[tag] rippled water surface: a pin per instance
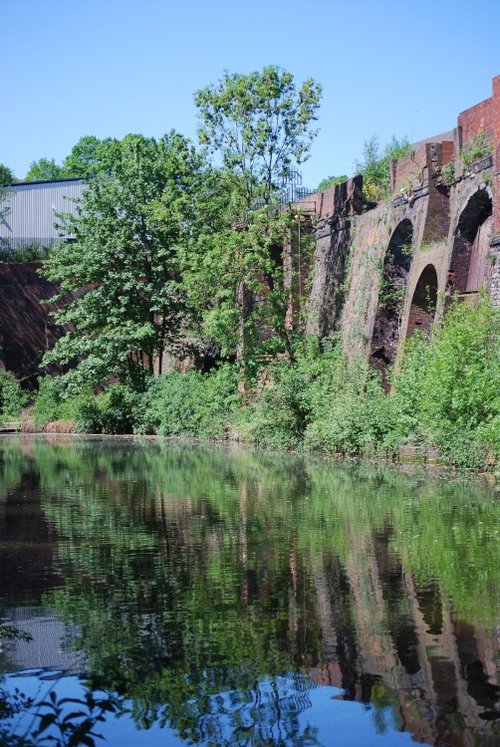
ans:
(216, 597)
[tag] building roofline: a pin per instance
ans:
(22, 183)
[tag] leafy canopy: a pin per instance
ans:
(331, 181)
(260, 124)
(6, 175)
(125, 253)
(44, 170)
(91, 156)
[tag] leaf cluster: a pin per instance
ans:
(88, 157)
(259, 124)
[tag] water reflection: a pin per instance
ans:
(224, 594)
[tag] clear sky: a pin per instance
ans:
(110, 67)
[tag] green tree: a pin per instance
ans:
(260, 124)
(460, 404)
(44, 169)
(260, 127)
(128, 231)
(90, 156)
(6, 175)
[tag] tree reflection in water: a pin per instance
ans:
(212, 590)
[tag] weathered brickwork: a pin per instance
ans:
(453, 206)
(26, 327)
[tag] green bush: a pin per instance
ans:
(319, 402)
(115, 412)
(350, 412)
(12, 397)
(52, 402)
(278, 414)
(460, 402)
(444, 394)
(191, 404)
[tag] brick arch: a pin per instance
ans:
(423, 303)
(386, 328)
(469, 267)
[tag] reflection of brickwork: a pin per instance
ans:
(446, 691)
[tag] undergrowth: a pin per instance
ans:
(444, 394)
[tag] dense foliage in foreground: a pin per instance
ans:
(445, 394)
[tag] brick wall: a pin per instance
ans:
(474, 120)
(26, 329)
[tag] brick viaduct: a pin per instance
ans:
(380, 271)
(377, 272)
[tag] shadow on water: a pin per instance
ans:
(242, 598)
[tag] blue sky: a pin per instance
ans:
(109, 67)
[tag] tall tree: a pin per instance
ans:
(260, 127)
(127, 237)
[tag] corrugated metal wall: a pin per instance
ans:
(30, 210)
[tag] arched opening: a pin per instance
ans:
(469, 266)
(423, 304)
(397, 262)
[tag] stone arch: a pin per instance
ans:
(469, 266)
(386, 328)
(423, 303)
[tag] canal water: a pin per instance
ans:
(177, 594)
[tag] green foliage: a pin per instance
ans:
(235, 279)
(476, 149)
(69, 722)
(53, 402)
(376, 164)
(279, 412)
(12, 398)
(114, 412)
(91, 156)
(331, 181)
(319, 402)
(260, 124)
(43, 170)
(191, 404)
(33, 251)
(10, 633)
(128, 231)
(349, 413)
(6, 175)
(460, 406)
(448, 172)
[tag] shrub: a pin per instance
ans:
(460, 404)
(191, 404)
(12, 397)
(349, 409)
(279, 412)
(52, 402)
(115, 412)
